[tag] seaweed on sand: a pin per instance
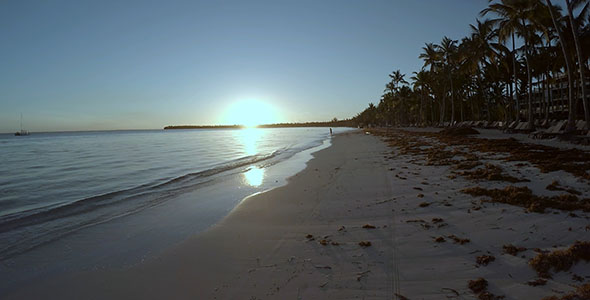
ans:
(546, 158)
(523, 197)
(438, 156)
(512, 250)
(365, 244)
(478, 285)
(458, 240)
(480, 288)
(582, 292)
(560, 260)
(439, 239)
(437, 220)
(467, 164)
(490, 172)
(484, 260)
(415, 221)
(555, 186)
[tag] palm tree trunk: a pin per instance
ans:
(510, 99)
(442, 110)
(475, 110)
(530, 118)
(548, 96)
(580, 63)
(484, 97)
(461, 107)
(571, 110)
(551, 103)
(452, 100)
(514, 77)
(543, 99)
(431, 111)
(421, 104)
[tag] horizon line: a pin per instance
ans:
(220, 126)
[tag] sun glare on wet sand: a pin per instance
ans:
(251, 113)
(254, 176)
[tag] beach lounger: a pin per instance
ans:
(544, 123)
(523, 127)
(510, 127)
(551, 131)
(540, 133)
(513, 125)
(581, 126)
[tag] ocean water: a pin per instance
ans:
(57, 189)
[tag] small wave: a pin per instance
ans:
(45, 214)
(23, 231)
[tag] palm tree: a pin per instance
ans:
(521, 15)
(390, 87)
(419, 79)
(571, 5)
(482, 53)
(571, 112)
(433, 57)
(508, 23)
(397, 77)
(448, 49)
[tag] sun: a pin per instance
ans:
(251, 113)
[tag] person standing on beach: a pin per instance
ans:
(330, 131)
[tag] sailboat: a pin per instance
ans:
(22, 132)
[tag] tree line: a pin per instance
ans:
(513, 58)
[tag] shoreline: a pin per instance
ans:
(130, 239)
(310, 238)
(223, 251)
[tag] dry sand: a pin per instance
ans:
(301, 241)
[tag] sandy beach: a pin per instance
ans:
(369, 218)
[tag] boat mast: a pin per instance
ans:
(21, 122)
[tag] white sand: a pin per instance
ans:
(260, 251)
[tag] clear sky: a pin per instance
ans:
(91, 65)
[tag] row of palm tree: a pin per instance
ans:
(490, 73)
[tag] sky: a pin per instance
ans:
(104, 65)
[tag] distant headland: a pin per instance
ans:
(333, 123)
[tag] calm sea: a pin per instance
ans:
(55, 184)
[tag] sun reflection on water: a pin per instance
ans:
(254, 176)
(249, 138)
